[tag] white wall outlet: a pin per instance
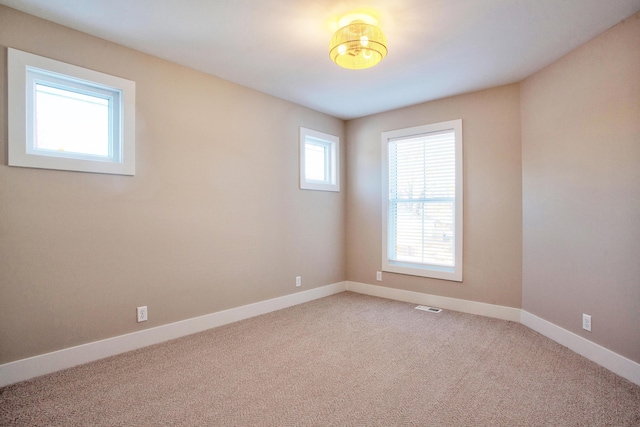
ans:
(379, 276)
(142, 314)
(586, 322)
(298, 281)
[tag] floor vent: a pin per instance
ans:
(429, 309)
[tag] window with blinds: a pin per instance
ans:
(422, 201)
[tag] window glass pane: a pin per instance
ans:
(315, 162)
(424, 232)
(72, 122)
(319, 161)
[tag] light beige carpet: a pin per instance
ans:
(346, 360)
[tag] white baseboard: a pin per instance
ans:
(465, 306)
(25, 369)
(614, 362)
(31, 367)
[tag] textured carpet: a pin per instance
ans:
(348, 360)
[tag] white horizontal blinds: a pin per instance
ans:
(422, 191)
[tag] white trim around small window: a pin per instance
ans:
(66, 117)
(319, 161)
(422, 201)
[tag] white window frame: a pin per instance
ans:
(25, 70)
(416, 269)
(331, 164)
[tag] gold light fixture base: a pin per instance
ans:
(358, 45)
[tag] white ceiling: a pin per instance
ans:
(437, 48)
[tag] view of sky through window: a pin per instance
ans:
(316, 158)
(70, 121)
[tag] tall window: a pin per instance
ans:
(422, 201)
(319, 161)
(66, 117)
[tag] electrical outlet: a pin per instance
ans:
(298, 281)
(142, 314)
(379, 276)
(586, 322)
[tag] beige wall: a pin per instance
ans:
(492, 195)
(213, 218)
(581, 189)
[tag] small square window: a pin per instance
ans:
(319, 165)
(69, 118)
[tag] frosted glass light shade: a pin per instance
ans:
(357, 46)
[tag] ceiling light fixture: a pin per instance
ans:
(358, 45)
